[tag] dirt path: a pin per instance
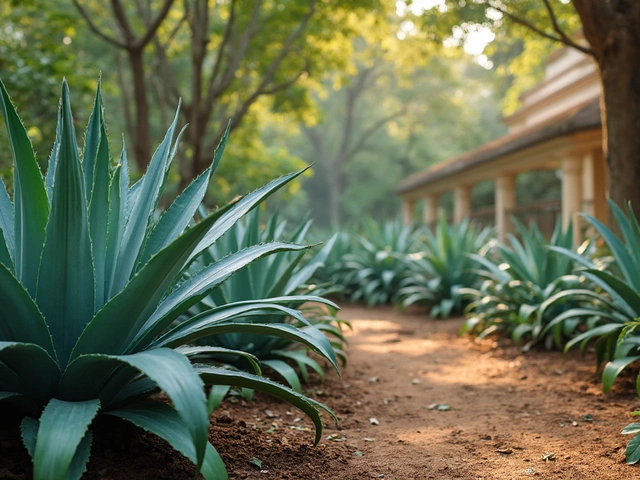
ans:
(508, 410)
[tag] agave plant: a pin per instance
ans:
(613, 306)
(436, 274)
(281, 278)
(372, 272)
(89, 286)
(518, 279)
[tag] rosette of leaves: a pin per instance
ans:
(436, 274)
(612, 306)
(89, 288)
(373, 271)
(519, 278)
(280, 279)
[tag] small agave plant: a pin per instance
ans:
(90, 289)
(281, 278)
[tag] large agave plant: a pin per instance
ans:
(519, 278)
(435, 275)
(612, 307)
(281, 278)
(88, 291)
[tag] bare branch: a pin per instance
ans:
(563, 36)
(525, 23)
(94, 28)
(223, 44)
(216, 89)
(284, 85)
(364, 138)
(155, 24)
(123, 21)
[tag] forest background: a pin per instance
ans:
(368, 91)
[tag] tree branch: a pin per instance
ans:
(373, 129)
(123, 21)
(525, 23)
(94, 28)
(155, 24)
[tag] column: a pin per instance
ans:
(505, 201)
(462, 203)
(572, 195)
(588, 184)
(430, 209)
(408, 207)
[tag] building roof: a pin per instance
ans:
(580, 118)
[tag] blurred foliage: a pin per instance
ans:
(515, 51)
(37, 50)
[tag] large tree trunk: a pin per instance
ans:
(142, 140)
(620, 71)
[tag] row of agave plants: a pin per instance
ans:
(105, 300)
(532, 289)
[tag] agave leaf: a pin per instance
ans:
(208, 351)
(244, 205)
(221, 376)
(34, 366)
(30, 198)
(92, 140)
(176, 218)
(632, 453)
(600, 331)
(198, 285)
(118, 197)
(29, 432)
(99, 215)
(613, 369)
(624, 296)
(113, 327)
(631, 428)
(306, 272)
(170, 370)
(20, 319)
(164, 421)
(62, 428)
(8, 395)
(142, 206)
(53, 157)
(303, 361)
(7, 225)
(66, 283)
(286, 371)
(216, 395)
(312, 338)
(80, 458)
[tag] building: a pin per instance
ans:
(557, 127)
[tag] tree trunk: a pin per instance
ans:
(334, 191)
(142, 140)
(621, 118)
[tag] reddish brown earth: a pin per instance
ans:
(512, 415)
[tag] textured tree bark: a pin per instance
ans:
(620, 71)
(613, 31)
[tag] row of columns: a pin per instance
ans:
(582, 186)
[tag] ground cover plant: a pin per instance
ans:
(283, 279)
(436, 274)
(518, 278)
(90, 288)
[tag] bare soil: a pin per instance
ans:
(510, 415)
